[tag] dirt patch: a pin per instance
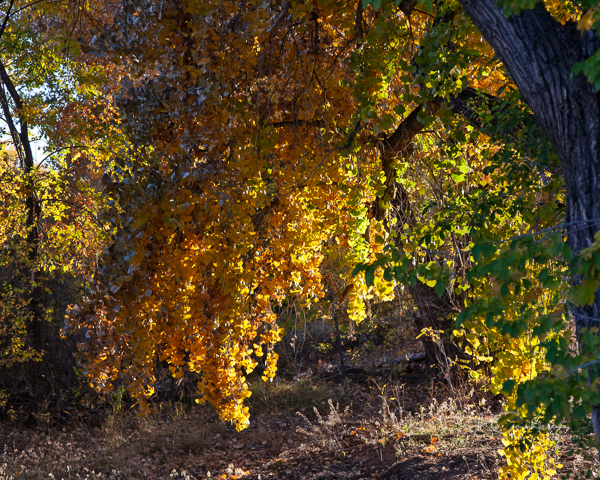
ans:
(300, 430)
(377, 428)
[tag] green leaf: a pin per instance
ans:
(387, 275)
(567, 252)
(508, 386)
(458, 177)
(440, 288)
(359, 268)
(543, 275)
(370, 275)
(476, 252)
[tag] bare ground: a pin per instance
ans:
(386, 424)
(370, 431)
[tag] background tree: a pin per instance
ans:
(50, 202)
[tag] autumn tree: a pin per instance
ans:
(257, 163)
(265, 136)
(49, 212)
(221, 220)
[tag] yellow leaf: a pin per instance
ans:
(587, 20)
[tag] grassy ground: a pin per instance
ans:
(300, 429)
(391, 421)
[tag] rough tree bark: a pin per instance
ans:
(539, 54)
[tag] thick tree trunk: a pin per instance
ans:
(539, 54)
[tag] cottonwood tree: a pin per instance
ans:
(266, 137)
(261, 163)
(540, 53)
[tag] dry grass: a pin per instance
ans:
(450, 424)
(282, 396)
(300, 429)
(175, 441)
(188, 442)
(125, 446)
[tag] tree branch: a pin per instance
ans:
(6, 17)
